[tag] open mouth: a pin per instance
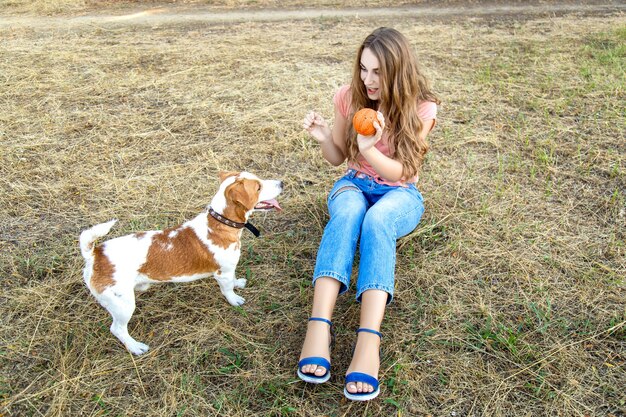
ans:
(268, 205)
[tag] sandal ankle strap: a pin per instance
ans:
(363, 329)
(330, 323)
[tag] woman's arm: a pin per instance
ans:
(332, 141)
(387, 168)
(339, 134)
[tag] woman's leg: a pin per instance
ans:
(367, 351)
(347, 207)
(394, 215)
(333, 267)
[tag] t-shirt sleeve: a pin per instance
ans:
(341, 100)
(427, 110)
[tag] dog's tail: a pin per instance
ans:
(89, 236)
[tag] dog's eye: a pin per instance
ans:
(258, 188)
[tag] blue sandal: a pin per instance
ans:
(317, 360)
(361, 377)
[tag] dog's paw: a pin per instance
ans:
(142, 287)
(240, 283)
(235, 299)
(137, 348)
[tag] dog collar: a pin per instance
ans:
(231, 223)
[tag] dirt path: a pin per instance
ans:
(185, 15)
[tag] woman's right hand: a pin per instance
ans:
(317, 127)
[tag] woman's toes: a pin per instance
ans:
(359, 387)
(313, 369)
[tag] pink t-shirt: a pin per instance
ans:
(426, 110)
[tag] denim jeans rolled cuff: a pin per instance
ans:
(329, 274)
(380, 287)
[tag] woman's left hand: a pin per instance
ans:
(367, 142)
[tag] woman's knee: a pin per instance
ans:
(391, 220)
(376, 220)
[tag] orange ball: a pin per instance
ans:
(363, 121)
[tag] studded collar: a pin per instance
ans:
(237, 225)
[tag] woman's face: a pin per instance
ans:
(369, 74)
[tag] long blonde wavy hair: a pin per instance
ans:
(402, 87)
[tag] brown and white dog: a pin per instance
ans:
(207, 245)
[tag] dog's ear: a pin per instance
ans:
(225, 174)
(244, 193)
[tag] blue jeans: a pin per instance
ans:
(378, 214)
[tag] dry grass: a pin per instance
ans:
(510, 294)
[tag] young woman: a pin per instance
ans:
(374, 203)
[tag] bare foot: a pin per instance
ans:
(316, 343)
(366, 359)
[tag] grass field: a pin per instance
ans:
(510, 295)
